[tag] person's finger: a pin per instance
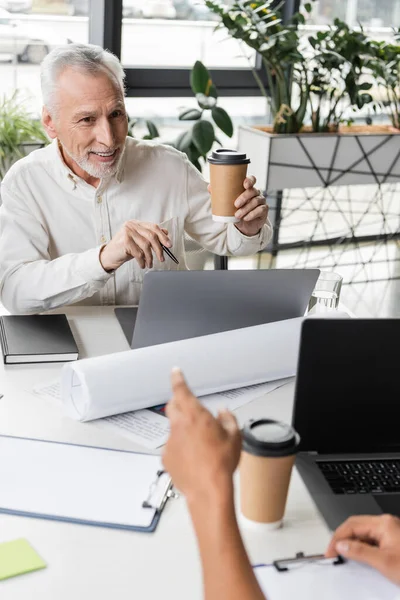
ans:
(153, 239)
(182, 394)
(178, 380)
(248, 207)
(358, 527)
(132, 249)
(133, 233)
(258, 213)
(247, 195)
(172, 409)
(144, 245)
(228, 422)
(249, 182)
(364, 553)
(160, 232)
(209, 188)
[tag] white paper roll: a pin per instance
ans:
(125, 381)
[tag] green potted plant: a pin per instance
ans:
(259, 25)
(319, 79)
(198, 139)
(20, 133)
(340, 77)
(385, 65)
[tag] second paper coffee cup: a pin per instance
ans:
(268, 453)
(228, 170)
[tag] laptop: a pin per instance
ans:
(347, 412)
(177, 305)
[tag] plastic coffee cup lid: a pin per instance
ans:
(224, 156)
(266, 437)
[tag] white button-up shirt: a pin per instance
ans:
(53, 225)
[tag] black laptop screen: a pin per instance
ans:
(348, 386)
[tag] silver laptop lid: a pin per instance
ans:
(177, 305)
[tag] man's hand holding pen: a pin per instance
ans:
(138, 240)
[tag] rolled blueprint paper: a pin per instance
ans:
(116, 383)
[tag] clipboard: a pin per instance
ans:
(286, 564)
(315, 577)
(87, 485)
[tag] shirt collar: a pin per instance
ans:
(67, 175)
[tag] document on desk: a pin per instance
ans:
(150, 427)
(81, 484)
(145, 427)
(136, 379)
(327, 582)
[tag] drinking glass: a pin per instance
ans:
(326, 293)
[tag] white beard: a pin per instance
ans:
(98, 171)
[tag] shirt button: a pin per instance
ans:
(103, 239)
(99, 199)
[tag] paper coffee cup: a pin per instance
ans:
(228, 170)
(268, 454)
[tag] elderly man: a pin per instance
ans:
(82, 218)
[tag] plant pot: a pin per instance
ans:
(354, 155)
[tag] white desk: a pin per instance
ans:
(92, 563)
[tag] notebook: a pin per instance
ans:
(37, 338)
(317, 581)
(82, 484)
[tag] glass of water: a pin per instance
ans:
(326, 293)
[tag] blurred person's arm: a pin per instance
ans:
(201, 456)
(373, 540)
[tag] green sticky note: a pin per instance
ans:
(18, 557)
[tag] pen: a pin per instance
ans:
(167, 251)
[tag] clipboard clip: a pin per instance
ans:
(159, 492)
(300, 560)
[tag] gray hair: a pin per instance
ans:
(83, 57)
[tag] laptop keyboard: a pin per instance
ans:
(362, 477)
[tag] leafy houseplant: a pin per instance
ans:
(152, 131)
(19, 132)
(320, 76)
(385, 66)
(198, 140)
(340, 65)
(317, 80)
(200, 137)
(260, 27)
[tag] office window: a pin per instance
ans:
(164, 112)
(176, 33)
(29, 29)
(162, 39)
(368, 13)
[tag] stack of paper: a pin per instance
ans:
(150, 427)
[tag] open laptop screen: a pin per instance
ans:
(348, 386)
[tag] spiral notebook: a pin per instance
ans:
(82, 484)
